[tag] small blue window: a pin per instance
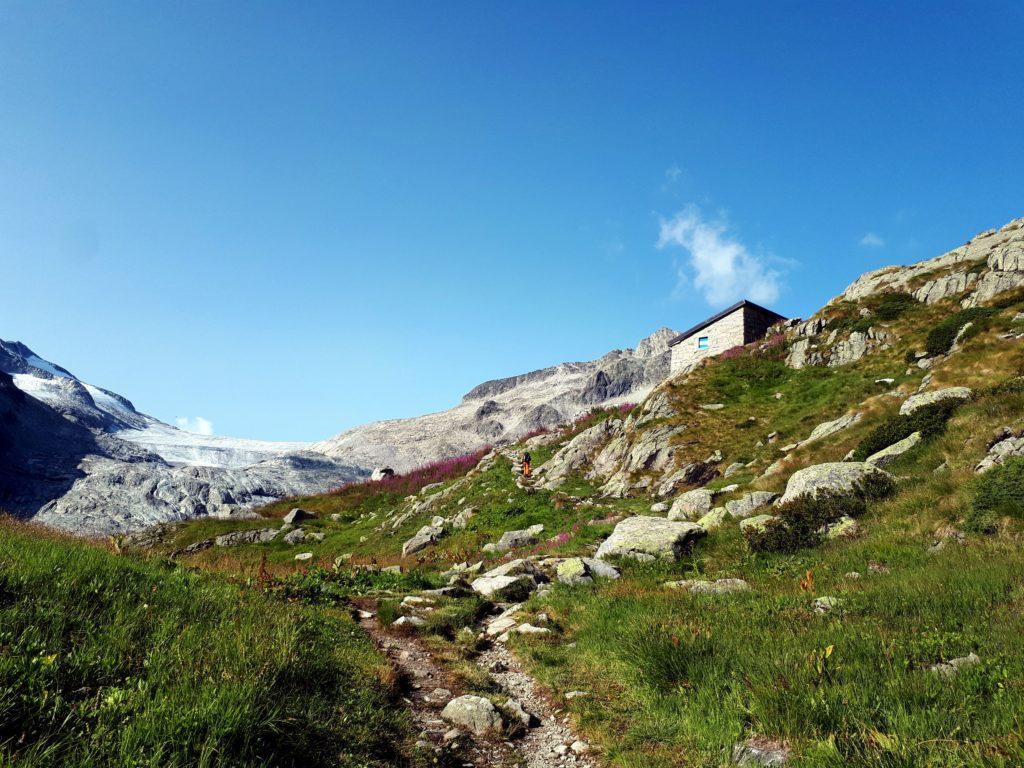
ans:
(702, 342)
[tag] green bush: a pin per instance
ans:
(801, 520)
(929, 421)
(940, 338)
(1000, 491)
(891, 306)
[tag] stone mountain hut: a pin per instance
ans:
(734, 326)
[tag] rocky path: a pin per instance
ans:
(549, 742)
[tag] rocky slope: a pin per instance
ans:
(124, 470)
(503, 410)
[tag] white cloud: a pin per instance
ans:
(672, 173)
(871, 240)
(199, 425)
(722, 268)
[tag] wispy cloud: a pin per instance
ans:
(719, 265)
(672, 173)
(871, 240)
(198, 425)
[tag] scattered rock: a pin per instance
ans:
(659, 507)
(747, 504)
(733, 468)
(515, 539)
(691, 505)
(825, 604)
(713, 519)
(427, 535)
(718, 587)
(258, 536)
(583, 570)
(409, 621)
(302, 556)
(952, 667)
(474, 713)
(511, 581)
(760, 753)
(297, 515)
(756, 524)
(530, 629)
(294, 537)
(843, 528)
(650, 538)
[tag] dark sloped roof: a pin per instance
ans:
(724, 313)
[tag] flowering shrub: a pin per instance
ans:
(435, 472)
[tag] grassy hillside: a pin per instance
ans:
(677, 679)
(106, 660)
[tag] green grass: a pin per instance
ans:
(109, 661)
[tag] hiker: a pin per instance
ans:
(526, 464)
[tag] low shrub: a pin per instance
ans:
(321, 586)
(800, 521)
(929, 421)
(942, 335)
(891, 306)
(1000, 491)
(454, 615)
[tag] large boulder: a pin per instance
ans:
(510, 581)
(914, 402)
(475, 713)
(692, 504)
(515, 539)
(887, 456)
(650, 538)
(426, 536)
(839, 477)
(297, 516)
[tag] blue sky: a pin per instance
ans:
(291, 218)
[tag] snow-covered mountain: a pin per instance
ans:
(100, 408)
(82, 458)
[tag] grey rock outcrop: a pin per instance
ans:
(511, 408)
(427, 535)
(887, 456)
(834, 477)
(914, 402)
(650, 538)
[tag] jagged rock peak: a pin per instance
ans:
(656, 343)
